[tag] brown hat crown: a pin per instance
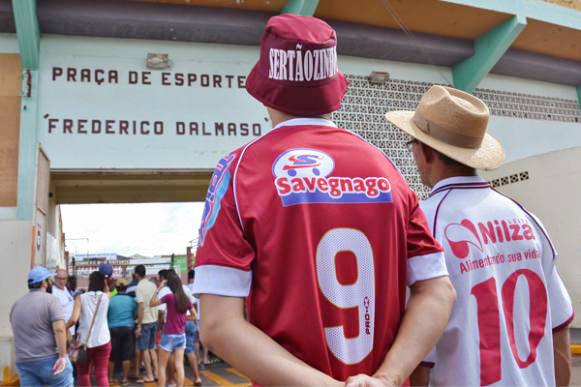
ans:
(452, 116)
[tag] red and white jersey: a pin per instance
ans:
(510, 297)
(321, 233)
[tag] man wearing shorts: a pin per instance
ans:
(508, 326)
(319, 232)
(146, 326)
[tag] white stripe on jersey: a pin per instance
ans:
(423, 267)
(222, 280)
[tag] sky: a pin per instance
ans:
(148, 229)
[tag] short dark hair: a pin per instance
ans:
(140, 270)
(191, 274)
(121, 287)
(447, 160)
(96, 281)
(35, 285)
(162, 273)
(450, 162)
(72, 282)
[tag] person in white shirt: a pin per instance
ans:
(64, 296)
(90, 311)
(508, 326)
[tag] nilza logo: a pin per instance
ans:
(466, 235)
(302, 176)
(218, 188)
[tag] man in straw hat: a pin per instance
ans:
(319, 232)
(512, 307)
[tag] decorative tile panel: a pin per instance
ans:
(364, 107)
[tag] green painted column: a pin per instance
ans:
(579, 95)
(488, 49)
(28, 34)
(28, 148)
(301, 7)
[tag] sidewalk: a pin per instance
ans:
(216, 374)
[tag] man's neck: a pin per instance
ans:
(445, 172)
(276, 116)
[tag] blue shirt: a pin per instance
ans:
(121, 311)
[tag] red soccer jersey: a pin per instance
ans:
(321, 233)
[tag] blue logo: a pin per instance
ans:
(218, 187)
(303, 176)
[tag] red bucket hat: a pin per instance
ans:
(297, 70)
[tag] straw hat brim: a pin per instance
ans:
(488, 156)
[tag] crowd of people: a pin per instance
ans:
(140, 330)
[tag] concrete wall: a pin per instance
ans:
(552, 192)
(9, 116)
(16, 245)
(88, 99)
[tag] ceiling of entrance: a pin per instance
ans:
(80, 187)
(423, 16)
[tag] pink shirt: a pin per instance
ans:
(176, 321)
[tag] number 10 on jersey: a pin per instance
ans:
(489, 322)
(359, 294)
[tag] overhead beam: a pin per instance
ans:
(156, 21)
(118, 186)
(488, 49)
(301, 7)
(27, 31)
(531, 9)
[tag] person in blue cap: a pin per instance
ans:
(107, 270)
(40, 336)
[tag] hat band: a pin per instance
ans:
(441, 133)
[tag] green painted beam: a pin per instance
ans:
(301, 7)
(27, 31)
(579, 95)
(488, 49)
(531, 9)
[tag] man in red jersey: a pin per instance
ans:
(320, 234)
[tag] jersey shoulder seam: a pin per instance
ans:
(437, 211)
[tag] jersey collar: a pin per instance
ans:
(306, 122)
(462, 182)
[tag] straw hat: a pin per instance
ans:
(454, 123)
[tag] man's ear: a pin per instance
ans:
(427, 153)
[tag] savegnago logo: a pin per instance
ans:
(302, 176)
(467, 235)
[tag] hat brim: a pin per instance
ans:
(306, 101)
(46, 276)
(488, 156)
